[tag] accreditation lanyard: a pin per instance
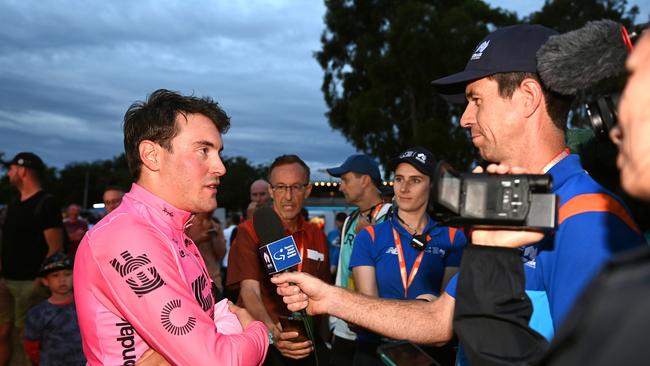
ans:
(375, 212)
(402, 264)
(556, 160)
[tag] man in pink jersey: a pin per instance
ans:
(140, 282)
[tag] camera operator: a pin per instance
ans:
(513, 120)
(609, 323)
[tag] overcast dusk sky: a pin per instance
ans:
(70, 69)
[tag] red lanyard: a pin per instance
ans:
(402, 264)
(301, 248)
(556, 160)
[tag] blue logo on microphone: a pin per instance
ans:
(280, 255)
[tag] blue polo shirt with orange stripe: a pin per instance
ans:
(444, 249)
(593, 225)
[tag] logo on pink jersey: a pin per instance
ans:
(127, 342)
(165, 318)
(198, 286)
(142, 277)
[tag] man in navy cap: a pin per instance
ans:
(607, 326)
(513, 120)
(32, 230)
(360, 182)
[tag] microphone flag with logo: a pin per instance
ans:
(278, 252)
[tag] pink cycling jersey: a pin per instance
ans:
(141, 283)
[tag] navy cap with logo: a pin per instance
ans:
(507, 49)
(26, 159)
(53, 263)
(358, 163)
(420, 158)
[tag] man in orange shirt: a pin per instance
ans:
(289, 187)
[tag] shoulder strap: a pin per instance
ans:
(233, 235)
(596, 202)
(386, 210)
(348, 222)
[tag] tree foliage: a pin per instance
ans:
(234, 192)
(379, 58)
(567, 15)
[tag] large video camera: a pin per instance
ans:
(485, 200)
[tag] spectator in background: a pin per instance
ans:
(408, 256)
(289, 178)
(52, 334)
(208, 237)
(32, 231)
(112, 198)
(334, 241)
(360, 182)
(75, 227)
(260, 196)
(229, 234)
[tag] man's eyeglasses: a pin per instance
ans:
(283, 188)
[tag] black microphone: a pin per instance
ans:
(267, 225)
(577, 60)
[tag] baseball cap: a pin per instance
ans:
(508, 49)
(53, 263)
(26, 159)
(357, 163)
(421, 159)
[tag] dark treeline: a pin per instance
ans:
(69, 183)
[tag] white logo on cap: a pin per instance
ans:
(407, 154)
(421, 158)
(478, 52)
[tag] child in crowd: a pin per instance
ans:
(52, 334)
